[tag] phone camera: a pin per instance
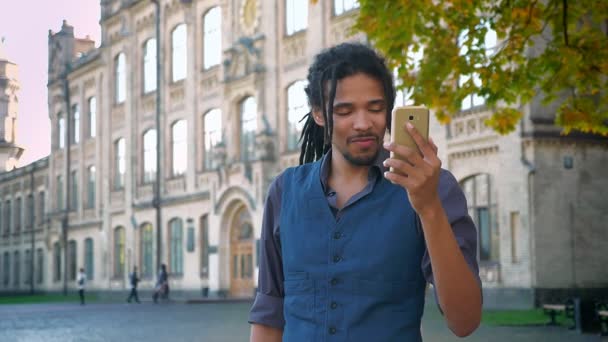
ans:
(411, 117)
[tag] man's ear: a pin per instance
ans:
(317, 115)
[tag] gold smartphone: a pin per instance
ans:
(418, 116)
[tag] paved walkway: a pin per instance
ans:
(214, 322)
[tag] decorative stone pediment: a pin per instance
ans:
(244, 58)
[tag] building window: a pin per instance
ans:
(91, 187)
(7, 269)
(16, 269)
(297, 107)
(61, 131)
(17, 213)
(28, 267)
(342, 6)
(92, 117)
(120, 78)
(41, 207)
(482, 210)
(212, 40)
(57, 261)
(75, 136)
(30, 212)
(149, 155)
(204, 248)
(296, 16)
(89, 265)
(72, 260)
(7, 217)
(147, 251)
(74, 190)
(179, 143)
(119, 163)
(119, 252)
(212, 136)
(176, 248)
(40, 268)
(249, 125)
(150, 65)
(179, 53)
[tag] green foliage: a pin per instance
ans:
(554, 49)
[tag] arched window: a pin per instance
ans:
(92, 117)
(119, 163)
(342, 6)
(147, 250)
(60, 131)
(212, 39)
(249, 125)
(179, 142)
(176, 249)
(212, 135)
(89, 261)
(296, 16)
(179, 53)
(72, 260)
(150, 65)
(297, 107)
(120, 78)
(56, 262)
(119, 252)
(482, 209)
(149, 155)
(75, 136)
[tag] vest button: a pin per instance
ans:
(334, 305)
(332, 331)
(333, 281)
(337, 258)
(337, 235)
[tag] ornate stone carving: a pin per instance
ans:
(244, 58)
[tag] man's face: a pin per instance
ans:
(359, 116)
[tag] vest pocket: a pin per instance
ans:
(298, 308)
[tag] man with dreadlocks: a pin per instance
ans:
(347, 247)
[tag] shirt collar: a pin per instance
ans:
(375, 170)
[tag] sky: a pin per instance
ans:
(25, 26)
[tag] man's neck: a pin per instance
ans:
(343, 171)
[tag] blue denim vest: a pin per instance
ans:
(354, 279)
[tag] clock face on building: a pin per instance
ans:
(249, 15)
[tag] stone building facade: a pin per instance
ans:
(231, 97)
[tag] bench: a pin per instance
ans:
(601, 310)
(553, 310)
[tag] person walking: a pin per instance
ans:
(162, 284)
(133, 280)
(80, 281)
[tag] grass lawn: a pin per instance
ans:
(41, 298)
(520, 317)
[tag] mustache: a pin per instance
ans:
(362, 136)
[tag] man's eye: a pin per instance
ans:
(376, 109)
(342, 112)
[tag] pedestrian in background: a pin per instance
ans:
(133, 280)
(81, 280)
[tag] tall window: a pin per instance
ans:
(74, 190)
(147, 251)
(56, 261)
(179, 60)
(213, 135)
(27, 266)
(41, 207)
(120, 78)
(61, 131)
(482, 209)
(91, 186)
(341, 6)
(29, 215)
(119, 163)
(119, 252)
(8, 212)
(72, 260)
(75, 134)
(60, 192)
(212, 40)
(7, 269)
(249, 126)
(89, 266)
(204, 238)
(149, 155)
(297, 107)
(16, 268)
(17, 214)
(296, 15)
(92, 117)
(179, 143)
(176, 246)
(150, 65)
(40, 268)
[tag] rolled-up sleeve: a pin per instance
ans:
(267, 307)
(455, 206)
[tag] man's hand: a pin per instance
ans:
(419, 174)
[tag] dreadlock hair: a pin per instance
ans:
(330, 66)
